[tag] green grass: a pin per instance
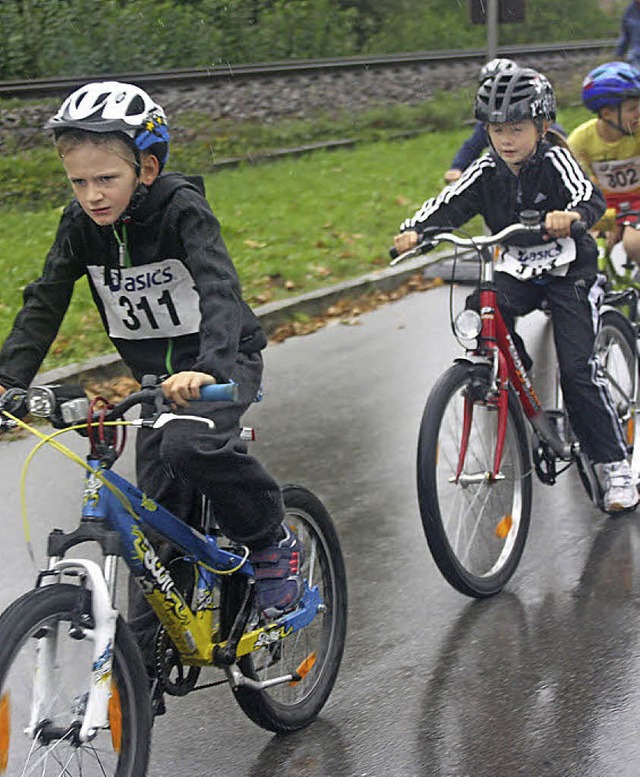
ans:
(291, 226)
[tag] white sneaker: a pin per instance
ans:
(620, 493)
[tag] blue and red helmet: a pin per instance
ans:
(610, 84)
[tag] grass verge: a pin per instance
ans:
(291, 226)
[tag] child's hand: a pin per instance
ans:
(452, 175)
(183, 386)
(405, 241)
(558, 222)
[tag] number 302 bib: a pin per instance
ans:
(153, 300)
(619, 176)
(523, 263)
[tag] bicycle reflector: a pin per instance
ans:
(467, 325)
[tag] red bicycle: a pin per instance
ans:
(474, 454)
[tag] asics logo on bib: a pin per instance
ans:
(142, 281)
(541, 254)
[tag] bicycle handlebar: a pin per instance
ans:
(481, 241)
(52, 400)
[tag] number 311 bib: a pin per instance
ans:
(153, 300)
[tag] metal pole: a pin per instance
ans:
(492, 29)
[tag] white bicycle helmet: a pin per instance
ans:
(495, 66)
(112, 106)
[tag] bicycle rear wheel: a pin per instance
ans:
(475, 526)
(41, 620)
(314, 651)
(615, 349)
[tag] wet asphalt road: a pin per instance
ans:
(540, 680)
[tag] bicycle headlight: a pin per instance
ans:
(41, 401)
(467, 325)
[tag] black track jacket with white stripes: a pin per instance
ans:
(551, 180)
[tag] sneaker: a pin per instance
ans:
(279, 584)
(621, 493)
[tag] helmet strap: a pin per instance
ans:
(617, 125)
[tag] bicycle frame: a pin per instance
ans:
(613, 260)
(115, 511)
(496, 345)
(116, 515)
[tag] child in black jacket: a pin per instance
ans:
(169, 298)
(523, 171)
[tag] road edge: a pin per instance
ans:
(271, 315)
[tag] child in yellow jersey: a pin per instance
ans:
(608, 147)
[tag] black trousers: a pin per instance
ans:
(180, 461)
(572, 303)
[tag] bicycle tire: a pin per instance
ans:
(123, 749)
(292, 706)
(616, 351)
(476, 531)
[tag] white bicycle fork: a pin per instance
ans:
(103, 637)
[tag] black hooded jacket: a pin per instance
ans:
(169, 226)
(551, 180)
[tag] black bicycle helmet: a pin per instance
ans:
(515, 95)
(112, 106)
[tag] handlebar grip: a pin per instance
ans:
(577, 229)
(393, 252)
(218, 392)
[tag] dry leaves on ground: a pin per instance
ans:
(348, 310)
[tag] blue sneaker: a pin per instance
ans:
(277, 569)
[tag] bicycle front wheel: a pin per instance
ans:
(475, 525)
(315, 651)
(55, 622)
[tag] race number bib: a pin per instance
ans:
(154, 300)
(532, 261)
(620, 175)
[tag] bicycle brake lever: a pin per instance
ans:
(164, 419)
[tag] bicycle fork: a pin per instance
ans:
(493, 328)
(102, 633)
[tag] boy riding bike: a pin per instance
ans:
(170, 300)
(608, 146)
(476, 143)
(522, 171)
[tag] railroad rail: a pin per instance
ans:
(62, 85)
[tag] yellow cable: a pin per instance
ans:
(50, 440)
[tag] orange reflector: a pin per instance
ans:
(631, 428)
(5, 732)
(504, 527)
(305, 667)
(115, 718)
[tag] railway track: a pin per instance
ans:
(49, 87)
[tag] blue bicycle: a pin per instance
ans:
(75, 696)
